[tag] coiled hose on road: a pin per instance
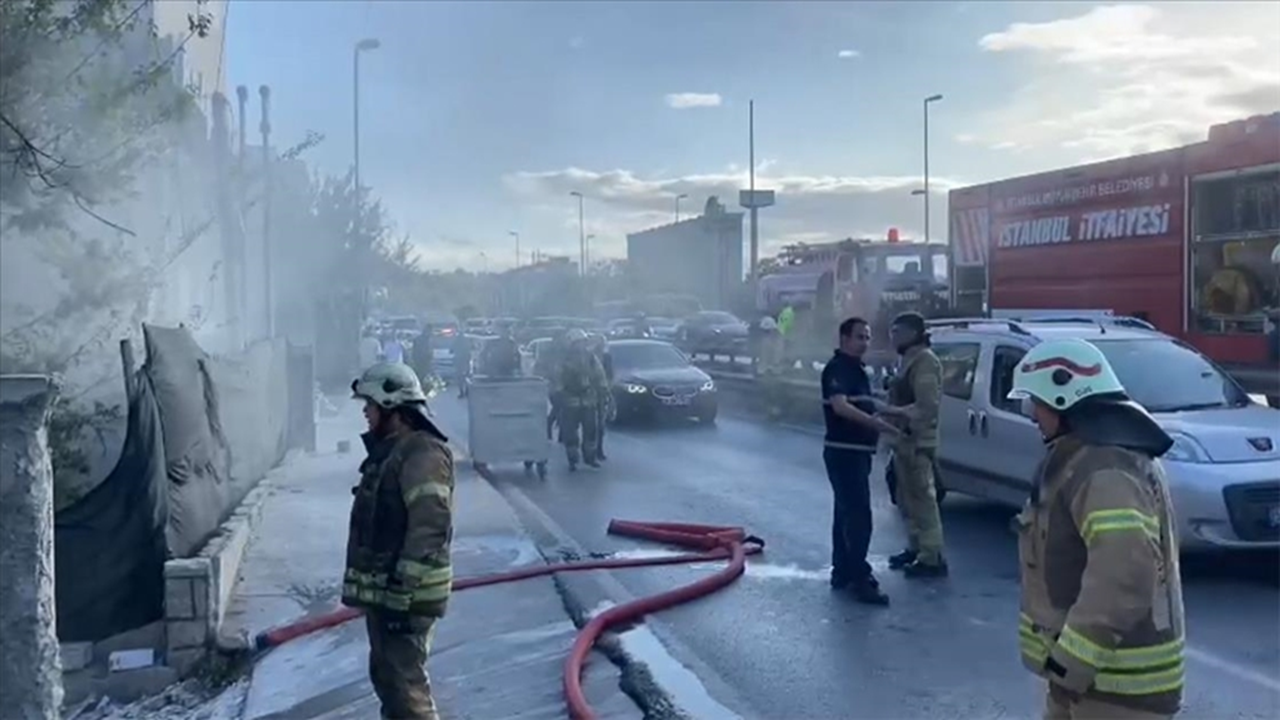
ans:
(710, 542)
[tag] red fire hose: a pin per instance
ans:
(710, 542)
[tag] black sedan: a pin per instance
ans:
(653, 379)
(713, 333)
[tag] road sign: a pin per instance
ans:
(755, 198)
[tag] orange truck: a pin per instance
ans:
(1185, 238)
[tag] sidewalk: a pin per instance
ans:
(497, 654)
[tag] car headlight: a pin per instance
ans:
(1186, 449)
(708, 386)
(635, 389)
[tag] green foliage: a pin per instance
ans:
(69, 427)
(78, 111)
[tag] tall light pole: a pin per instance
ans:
(516, 235)
(679, 197)
(927, 101)
(362, 46)
(755, 232)
(582, 234)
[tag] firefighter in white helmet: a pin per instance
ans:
(1102, 616)
(399, 569)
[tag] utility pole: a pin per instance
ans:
(927, 102)
(264, 93)
(755, 228)
(227, 219)
(679, 197)
(582, 234)
(365, 265)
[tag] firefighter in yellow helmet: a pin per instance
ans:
(1102, 616)
(398, 563)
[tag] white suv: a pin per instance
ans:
(1224, 467)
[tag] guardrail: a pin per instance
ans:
(740, 375)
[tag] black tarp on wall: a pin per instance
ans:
(109, 547)
(202, 431)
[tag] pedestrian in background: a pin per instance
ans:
(392, 349)
(605, 404)
(848, 450)
(914, 400)
(769, 366)
(370, 349)
(1102, 613)
(582, 385)
(461, 362)
(398, 569)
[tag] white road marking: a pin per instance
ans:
(1233, 669)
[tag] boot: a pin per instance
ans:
(918, 569)
(902, 559)
(867, 591)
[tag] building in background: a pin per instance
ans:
(548, 287)
(701, 257)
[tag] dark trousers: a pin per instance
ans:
(397, 671)
(850, 474)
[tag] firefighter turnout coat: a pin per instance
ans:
(401, 527)
(1102, 613)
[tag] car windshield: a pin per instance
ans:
(1167, 376)
(646, 356)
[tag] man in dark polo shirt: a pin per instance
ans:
(849, 446)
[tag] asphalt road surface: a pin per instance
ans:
(781, 644)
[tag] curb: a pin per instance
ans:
(586, 593)
(198, 590)
(581, 593)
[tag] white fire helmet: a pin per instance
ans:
(768, 324)
(389, 385)
(1061, 373)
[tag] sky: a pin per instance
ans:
(478, 119)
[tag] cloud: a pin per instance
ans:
(686, 100)
(576, 42)
(809, 208)
(1129, 78)
(848, 54)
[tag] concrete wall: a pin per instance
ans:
(30, 666)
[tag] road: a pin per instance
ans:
(781, 644)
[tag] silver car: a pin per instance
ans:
(1224, 467)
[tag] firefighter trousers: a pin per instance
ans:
(578, 431)
(398, 670)
(913, 467)
(1058, 707)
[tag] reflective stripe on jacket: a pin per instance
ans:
(1102, 607)
(398, 550)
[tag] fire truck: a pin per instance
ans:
(874, 279)
(1184, 238)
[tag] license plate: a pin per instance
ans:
(675, 401)
(1273, 516)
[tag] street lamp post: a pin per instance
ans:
(927, 101)
(516, 235)
(362, 46)
(582, 234)
(679, 197)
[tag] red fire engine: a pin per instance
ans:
(1185, 238)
